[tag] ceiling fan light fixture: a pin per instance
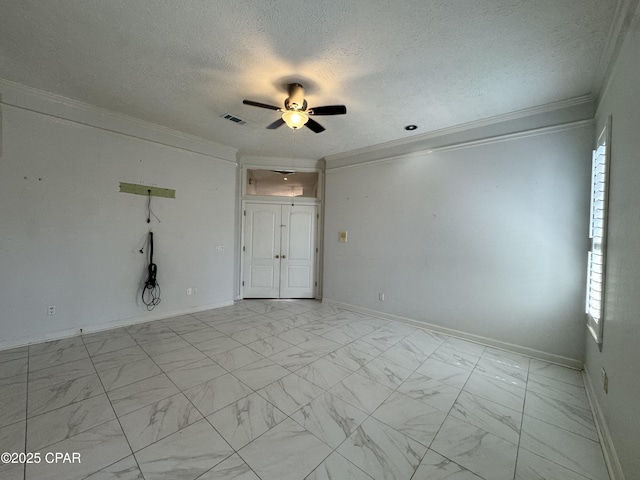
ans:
(295, 118)
(295, 113)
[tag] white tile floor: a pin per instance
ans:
(278, 390)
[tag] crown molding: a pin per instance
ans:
(620, 23)
(467, 144)
(45, 103)
(577, 108)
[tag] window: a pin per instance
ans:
(598, 234)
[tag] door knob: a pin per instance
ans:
(284, 256)
(277, 256)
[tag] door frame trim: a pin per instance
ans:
(303, 165)
(276, 201)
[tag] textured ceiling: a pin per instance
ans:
(184, 63)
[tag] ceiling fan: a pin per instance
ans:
(295, 112)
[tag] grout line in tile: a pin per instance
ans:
(524, 405)
(322, 355)
(560, 427)
(119, 423)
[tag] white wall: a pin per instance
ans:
(620, 354)
(486, 239)
(70, 239)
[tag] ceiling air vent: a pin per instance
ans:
(234, 119)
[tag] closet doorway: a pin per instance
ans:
(280, 250)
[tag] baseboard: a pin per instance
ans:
(510, 347)
(608, 449)
(125, 322)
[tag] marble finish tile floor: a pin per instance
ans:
(291, 390)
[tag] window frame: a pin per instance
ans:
(598, 222)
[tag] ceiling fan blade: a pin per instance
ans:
(276, 124)
(261, 105)
(314, 126)
(329, 110)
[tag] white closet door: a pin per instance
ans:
(280, 251)
(298, 247)
(262, 251)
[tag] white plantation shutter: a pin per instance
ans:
(597, 233)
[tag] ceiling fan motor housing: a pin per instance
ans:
(295, 113)
(296, 99)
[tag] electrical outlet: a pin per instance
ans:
(381, 297)
(220, 248)
(51, 310)
(189, 291)
(605, 381)
(194, 290)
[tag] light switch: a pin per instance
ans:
(342, 236)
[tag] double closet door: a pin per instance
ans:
(279, 251)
